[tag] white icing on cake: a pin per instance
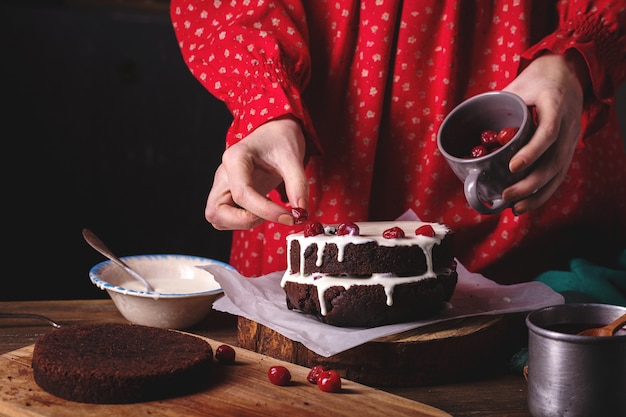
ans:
(369, 231)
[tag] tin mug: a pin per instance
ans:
(571, 375)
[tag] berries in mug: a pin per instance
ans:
(491, 141)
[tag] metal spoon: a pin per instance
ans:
(30, 316)
(608, 330)
(99, 245)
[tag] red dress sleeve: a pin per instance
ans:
(597, 30)
(255, 59)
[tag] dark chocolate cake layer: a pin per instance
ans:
(115, 363)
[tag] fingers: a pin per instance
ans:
(548, 154)
(545, 135)
(221, 210)
(533, 191)
(228, 217)
(290, 165)
(229, 207)
(546, 171)
(269, 157)
(296, 184)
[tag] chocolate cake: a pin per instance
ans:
(117, 363)
(365, 279)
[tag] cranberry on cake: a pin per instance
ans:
(368, 274)
(116, 363)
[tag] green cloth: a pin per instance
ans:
(589, 282)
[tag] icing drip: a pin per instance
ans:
(318, 262)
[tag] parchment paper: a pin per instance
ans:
(263, 300)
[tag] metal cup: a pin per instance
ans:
(484, 178)
(571, 375)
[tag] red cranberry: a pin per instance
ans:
(425, 230)
(348, 228)
(225, 354)
(478, 151)
(313, 229)
(489, 138)
(505, 135)
(300, 215)
(393, 233)
(279, 375)
(329, 381)
(314, 373)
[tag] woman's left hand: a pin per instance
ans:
(555, 86)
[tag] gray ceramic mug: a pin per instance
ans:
(485, 177)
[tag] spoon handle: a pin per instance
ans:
(96, 243)
(99, 245)
(30, 316)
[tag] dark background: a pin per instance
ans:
(103, 127)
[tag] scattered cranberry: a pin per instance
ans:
(489, 138)
(393, 233)
(225, 354)
(329, 381)
(348, 228)
(313, 229)
(300, 215)
(279, 375)
(425, 230)
(478, 151)
(506, 134)
(314, 373)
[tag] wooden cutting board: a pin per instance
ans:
(239, 390)
(445, 352)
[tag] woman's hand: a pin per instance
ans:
(272, 154)
(555, 85)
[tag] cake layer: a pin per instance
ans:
(370, 252)
(367, 302)
(117, 363)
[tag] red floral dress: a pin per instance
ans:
(372, 81)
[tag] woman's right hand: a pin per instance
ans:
(272, 154)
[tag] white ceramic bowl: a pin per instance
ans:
(183, 296)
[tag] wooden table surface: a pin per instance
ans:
(501, 395)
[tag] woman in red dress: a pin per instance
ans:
(336, 107)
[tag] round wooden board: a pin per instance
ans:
(444, 352)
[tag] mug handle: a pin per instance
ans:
(473, 197)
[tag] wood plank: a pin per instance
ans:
(450, 351)
(239, 390)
